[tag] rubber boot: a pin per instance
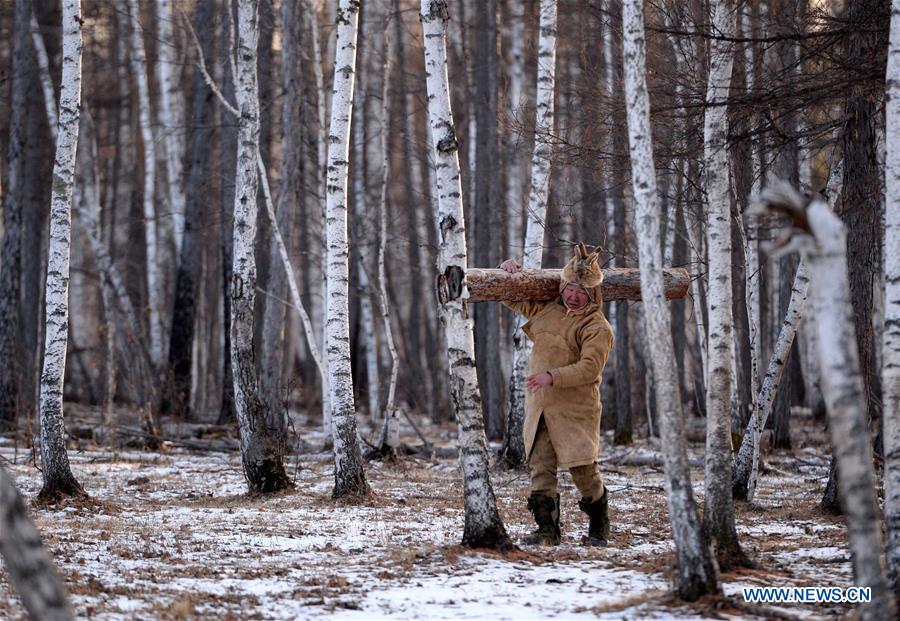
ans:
(598, 530)
(546, 514)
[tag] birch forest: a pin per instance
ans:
(276, 279)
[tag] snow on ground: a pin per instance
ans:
(172, 535)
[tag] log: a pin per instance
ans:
(495, 285)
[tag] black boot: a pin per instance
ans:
(598, 531)
(546, 513)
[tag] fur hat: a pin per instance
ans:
(584, 270)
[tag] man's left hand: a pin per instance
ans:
(537, 381)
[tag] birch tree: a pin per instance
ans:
(172, 115)
(139, 72)
(746, 466)
(58, 478)
(261, 431)
(696, 572)
(483, 526)
(891, 353)
(821, 239)
(349, 477)
(515, 164)
(30, 568)
(718, 514)
(390, 437)
(536, 215)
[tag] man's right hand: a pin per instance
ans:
(511, 266)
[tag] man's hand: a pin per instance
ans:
(537, 381)
(511, 266)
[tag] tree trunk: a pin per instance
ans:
(483, 526)
(390, 436)
(842, 386)
(515, 161)
(288, 197)
(890, 370)
(262, 431)
(23, 66)
(154, 289)
(746, 466)
(485, 211)
(172, 113)
(349, 477)
(364, 242)
(861, 203)
(31, 570)
(187, 280)
(718, 513)
(228, 161)
(623, 283)
(514, 448)
(58, 478)
(696, 573)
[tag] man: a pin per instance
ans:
(572, 340)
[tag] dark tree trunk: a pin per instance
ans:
(486, 212)
(24, 69)
(860, 207)
(624, 422)
(177, 386)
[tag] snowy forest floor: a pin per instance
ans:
(172, 534)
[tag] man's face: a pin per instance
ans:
(575, 297)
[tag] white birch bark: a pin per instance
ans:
(172, 112)
(483, 526)
(515, 165)
(391, 432)
(261, 435)
(28, 564)
(842, 385)
(750, 231)
(349, 478)
(746, 466)
(139, 72)
(57, 475)
(696, 572)
(40, 52)
(718, 514)
(536, 216)
(890, 370)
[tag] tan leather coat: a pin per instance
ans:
(573, 346)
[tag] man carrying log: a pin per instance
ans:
(572, 340)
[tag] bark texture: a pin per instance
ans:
(890, 372)
(262, 431)
(718, 511)
(349, 477)
(696, 572)
(824, 252)
(539, 285)
(30, 568)
(58, 478)
(483, 526)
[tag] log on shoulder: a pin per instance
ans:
(486, 285)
